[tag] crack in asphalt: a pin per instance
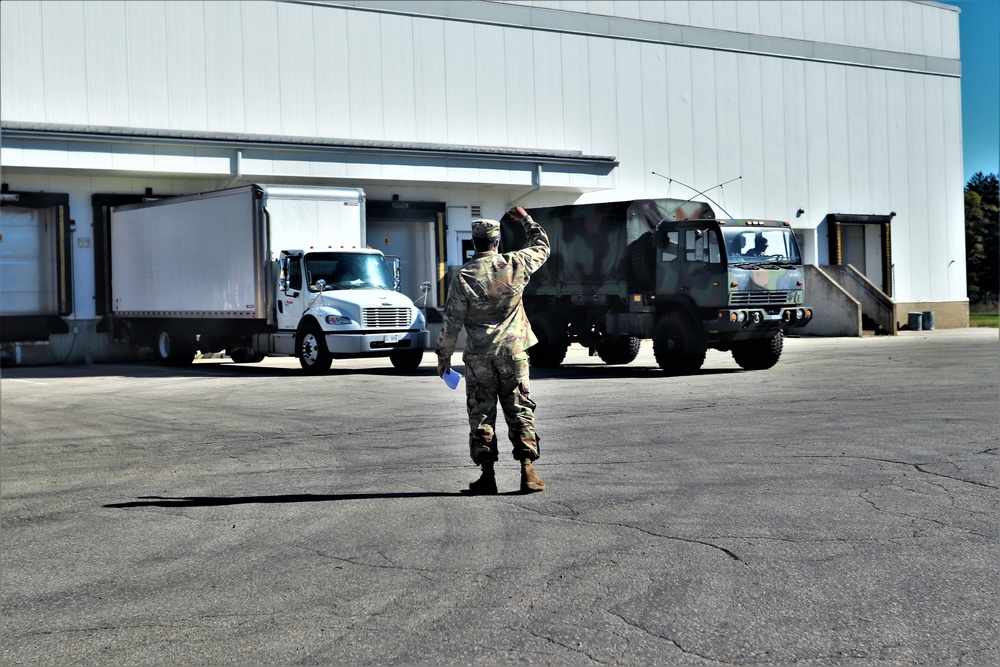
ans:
(667, 639)
(915, 466)
(724, 550)
(560, 644)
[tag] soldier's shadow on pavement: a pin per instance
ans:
(213, 501)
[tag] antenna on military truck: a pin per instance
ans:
(698, 194)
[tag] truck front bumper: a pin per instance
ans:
(367, 343)
(734, 319)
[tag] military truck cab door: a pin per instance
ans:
(704, 274)
(292, 295)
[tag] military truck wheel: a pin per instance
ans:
(552, 344)
(621, 350)
(679, 344)
(310, 346)
(173, 348)
(242, 355)
(407, 360)
(757, 355)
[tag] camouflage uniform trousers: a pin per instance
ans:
(490, 378)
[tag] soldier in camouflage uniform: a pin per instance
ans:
(485, 298)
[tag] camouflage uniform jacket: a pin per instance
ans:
(485, 298)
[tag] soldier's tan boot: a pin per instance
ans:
(530, 482)
(486, 485)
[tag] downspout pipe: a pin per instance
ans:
(538, 186)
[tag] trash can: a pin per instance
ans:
(927, 321)
(915, 322)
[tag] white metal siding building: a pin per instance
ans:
(843, 117)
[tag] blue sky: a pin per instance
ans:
(979, 27)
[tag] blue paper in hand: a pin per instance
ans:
(451, 378)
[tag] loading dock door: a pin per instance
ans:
(414, 232)
(412, 242)
(36, 268)
(28, 262)
(864, 242)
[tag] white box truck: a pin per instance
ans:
(259, 270)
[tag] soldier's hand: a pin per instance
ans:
(442, 369)
(518, 213)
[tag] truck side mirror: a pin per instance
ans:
(394, 268)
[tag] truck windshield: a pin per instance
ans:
(761, 245)
(343, 270)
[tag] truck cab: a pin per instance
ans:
(343, 304)
(738, 276)
(731, 285)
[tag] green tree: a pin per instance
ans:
(982, 236)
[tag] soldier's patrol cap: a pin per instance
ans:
(485, 229)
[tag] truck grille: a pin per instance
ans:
(758, 298)
(392, 318)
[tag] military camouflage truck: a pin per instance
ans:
(666, 270)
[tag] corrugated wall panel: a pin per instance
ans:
(430, 112)
(917, 223)
(629, 127)
(487, 94)
(753, 156)
(22, 86)
(856, 105)
(224, 67)
(296, 104)
(366, 100)
(773, 180)
(460, 94)
(795, 108)
(148, 96)
(680, 116)
(548, 99)
(106, 100)
(67, 62)
(333, 73)
(704, 130)
(519, 67)
(576, 90)
(725, 14)
(728, 114)
(748, 17)
(817, 146)
(398, 80)
(603, 97)
(186, 80)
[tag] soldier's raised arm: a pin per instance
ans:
(536, 249)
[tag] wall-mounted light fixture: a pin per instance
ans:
(892, 215)
(798, 213)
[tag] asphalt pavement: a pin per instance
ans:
(838, 509)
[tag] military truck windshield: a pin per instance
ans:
(761, 245)
(343, 270)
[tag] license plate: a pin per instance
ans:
(390, 338)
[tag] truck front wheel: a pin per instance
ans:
(759, 354)
(310, 344)
(173, 348)
(679, 345)
(621, 350)
(406, 361)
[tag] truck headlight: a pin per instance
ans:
(337, 319)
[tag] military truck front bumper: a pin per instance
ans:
(738, 319)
